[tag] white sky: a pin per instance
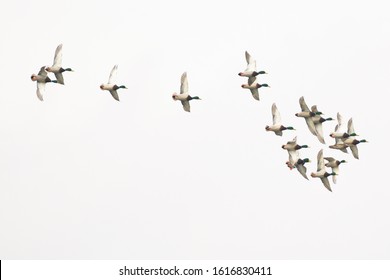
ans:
(84, 176)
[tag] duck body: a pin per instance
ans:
(253, 85)
(41, 80)
(334, 164)
(250, 71)
(57, 68)
(111, 86)
(184, 97)
(277, 127)
(321, 171)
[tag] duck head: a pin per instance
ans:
(258, 73)
(263, 85)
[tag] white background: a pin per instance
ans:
(86, 177)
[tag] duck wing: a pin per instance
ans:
(40, 90)
(339, 119)
(326, 183)
(293, 157)
(42, 72)
(58, 57)
(186, 105)
(335, 170)
(184, 84)
(302, 169)
(111, 79)
(320, 161)
(255, 93)
(330, 159)
(114, 94)
(355, 151)
(292, 142)
(59, 78)
(320, 134)
(303, 104)
(311, 126)
(251, 63)
(351, 128)
(276, 115)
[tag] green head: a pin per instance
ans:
(122, 87)
(353, 134)
(329, 119)
(69, 69)
(304, 146)
(363, 141)
(306, 160)
(264, 85)
(261, 72)
(343, 161)
(290, 128)
(318, 113)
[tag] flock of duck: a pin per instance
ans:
(314, 121)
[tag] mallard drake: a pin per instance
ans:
(339, 144)
(292, 148)
(110, 86)
(351, 142)
(337, 133)
(57, 66)
(41, 80)
(298, 163)
(307, 114)
(334, 164)
(250, 71)
(253, 85)
(184, 97)
(318, 120)
(277, 127)
(321, 171)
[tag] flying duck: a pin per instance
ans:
(277, 127)
(184, 97)
(250, 71)
(321, 171)
(110, 86)
(334, 164)
(57, 66)
(41, 80)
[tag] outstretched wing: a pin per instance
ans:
(58, 57)
(350, 127)
(320, 161)
(335, 170)
(302, 169)
(60, 78)
(320, 134)
(111, 79)
(255, 93)
(276, 115)
(114, 94)
(184, 85)
(311, 126)
(186, 105)
(303, 105)
(40, 90)
(42, 72)
(292, 142)
(330, 159)
(326, 183)
(355, 151)
(251, 62)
